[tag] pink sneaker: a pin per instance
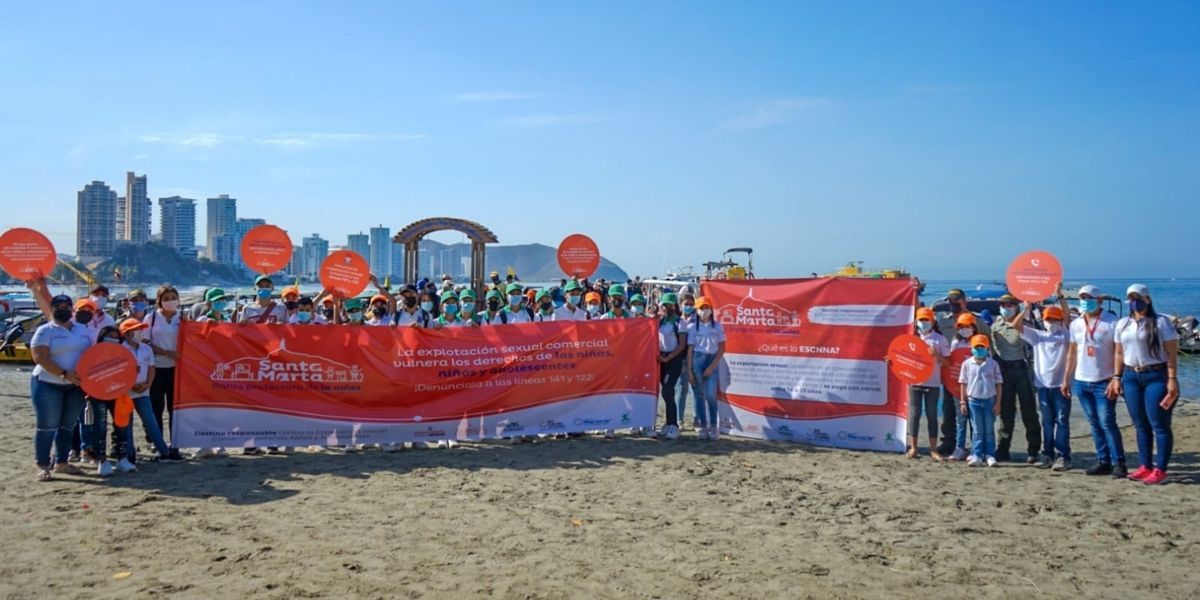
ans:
(1140, 474)
(1155, 477)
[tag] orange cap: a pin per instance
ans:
(132, 325)
(86, 303)
(980, 340)
(379, 298)
(1052, 312)
(965, 320)
(591, 297)
(924, 313)
(703, 301)
(290, 291)
(531, 294)
(327, 300)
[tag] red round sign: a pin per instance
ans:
(1033, 276)
(910, 360)
(107, 371)
(26, 254)
(578, 256)
(345, 273)
(266, 249)
(952, 367)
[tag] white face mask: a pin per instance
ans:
(705, 313)
(1053, 326)
(101, 301)
(170, 305)
(965, 332)
(924, 325)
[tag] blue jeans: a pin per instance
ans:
(56, 411)
(706, 389)
(983, 420)
(681, 397)
(145, 412)
(1101, 415)
(95, 428)
(1143, 392)
(1056, 423)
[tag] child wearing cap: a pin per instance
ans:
(672, 348)
(954, 425)
(593, 304)
(1049, 374)
(467, 312)
(131, 334)
(980, 384)
(616, 300)
(545, 307)
(571, 309)
(924, 397)
(264, 310)
(216, 302)
(706, 346)
(450, 311)
(516, 312)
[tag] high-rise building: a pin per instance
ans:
(224, 249)
(136, 210)
(177, 224)
(243, 226)
(119, 232)
(398, 263)
(222, 219)
(361, 243)
(295, 266)
(95, 227)
(315, 250)
(381, 250)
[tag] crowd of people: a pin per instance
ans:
(1035, 358)
(1031, 358)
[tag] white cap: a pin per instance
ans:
(1090, 290)
(1139, 289)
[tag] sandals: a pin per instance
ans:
(44, 475)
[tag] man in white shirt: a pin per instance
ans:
(571, 310)
(264, 310)
(1090, 361)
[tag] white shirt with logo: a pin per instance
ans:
(981, 379)
(1049, 355)
(939, 344)
(278, 314)
(1135, 341)
(1094, 347)
(705, 338)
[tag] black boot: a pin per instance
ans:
(1101, 469)
(1120, 472)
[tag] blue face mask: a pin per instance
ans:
(558, 303)
(468, 307)
(1089, 305)
(1137, 305)
(138, 306)
(688, 310)
(304, 316)
(574, 299)
(356, 316)
(515, 301)
(593, 308)
(264, 293)
(426, 306)
(220, 305)
(924, 326)
(450, 309)
(979, 352)
(1008, 312)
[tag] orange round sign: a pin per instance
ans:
(952, 367)
(1033, 276)
(345, 273)
(578, 256)
(26, 254)
(266, 249)
(107, 371)
(910, 360)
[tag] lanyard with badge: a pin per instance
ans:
(1090, 336)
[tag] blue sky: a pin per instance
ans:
(944, 136)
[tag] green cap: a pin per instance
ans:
(572, 286)
(135, 293)
(262, 278)
(449, 295)
(956, 291)
(514, 287)
(616, 289)
(542, 294)
(669, 298)
(214, 294)
(637, 298)
(494, 293)
(354, 304)
(467, 293)
(1009, 299)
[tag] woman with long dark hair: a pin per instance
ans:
(162, 335)
(1146, 358)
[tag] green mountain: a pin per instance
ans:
(532, 262)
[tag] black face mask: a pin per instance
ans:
(409, 302)
(545, 307)
(379, 311)
(291, 305)
(83, 318)
(62, 315)
(328, 312)
(493, 305)
(618, 303)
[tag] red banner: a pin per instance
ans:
(804, 359)
(298, 385)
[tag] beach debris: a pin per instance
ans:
(727, 557)
(122, 575)
(577, 522)
(818, 570)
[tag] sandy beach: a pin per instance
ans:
(624, 518)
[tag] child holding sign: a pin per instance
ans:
(981, 382)
(1049, 374)
(924, 397)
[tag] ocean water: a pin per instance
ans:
(1177, 297)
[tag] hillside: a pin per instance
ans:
(532, 262)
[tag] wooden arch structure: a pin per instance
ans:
(412, 235)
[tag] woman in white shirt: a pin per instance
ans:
(57, 398)
(162, 336)
(706, 346)
(1146, 358)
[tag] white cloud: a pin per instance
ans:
(197, 140)
(303, 140)
(775, 112)
(491, 96)
(551, 120)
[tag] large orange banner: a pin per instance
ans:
(297, 385)
(804, 359)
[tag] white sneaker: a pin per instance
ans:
(125, 466)
(991, 461)
(959, 454)
(973, 461)
(104, 469)
(702, 432)
(714, 433)
(671, 432)
(650, 432)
